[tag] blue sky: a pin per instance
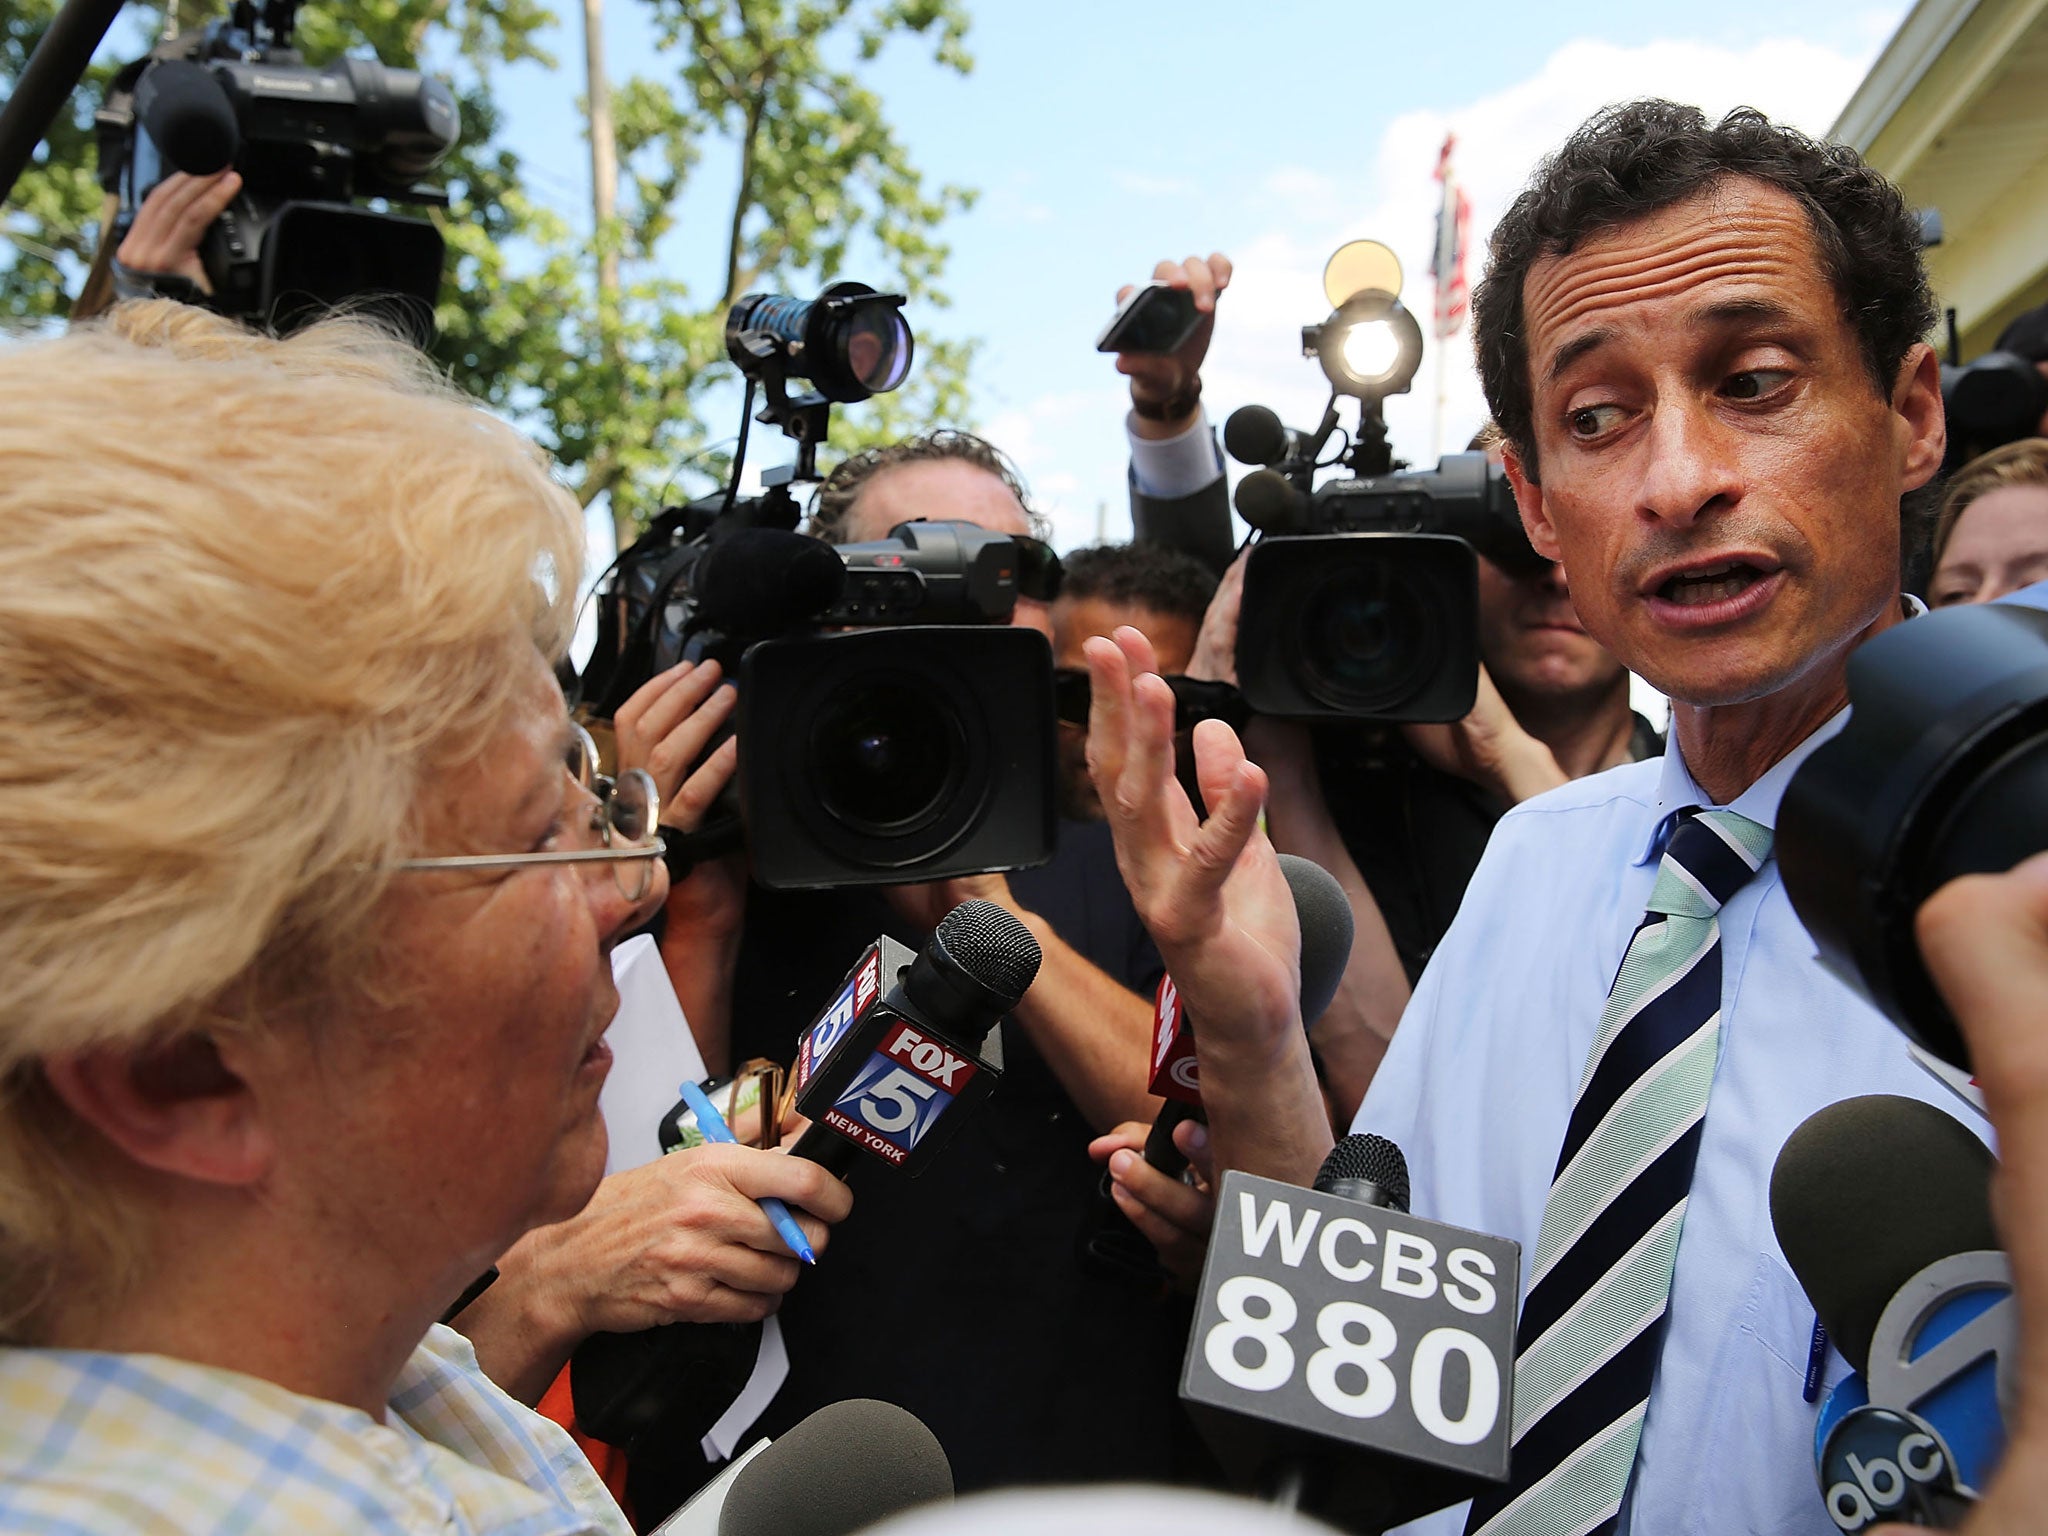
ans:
(1104, 136)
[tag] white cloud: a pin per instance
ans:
(1071, 445)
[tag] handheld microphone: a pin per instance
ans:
(1110, 1243)
(842, 1469)
(186, 111)
(764, 581)
(1347, 1358)
(890, 1068)
(893, 1072)
(1882, 1207)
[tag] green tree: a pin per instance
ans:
(614, 387)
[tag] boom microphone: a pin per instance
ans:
(1882, 1207)
(187, 113)
(845, 1467)
(763, 581)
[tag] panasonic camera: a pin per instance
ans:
(311, 146)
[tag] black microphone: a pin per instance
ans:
(1255, 435)
(1349, 1359)
(892, 1069)
(1272, 503)
(1882, 1207)
(186, 111)
(1366, 1168)
(1109, 1242)
(763, 581)
(845, 1467)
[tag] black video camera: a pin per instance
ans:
(1362, 599)
(1941, 771)
(897, 728)
(310, 144)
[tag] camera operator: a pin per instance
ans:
(1400, 814)
(1150, 587)
(1991, 536)
(1027, 1368)
(1702, 344)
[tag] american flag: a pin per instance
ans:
(1447, 261)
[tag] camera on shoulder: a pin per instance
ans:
(895, 728)
(1362, 597)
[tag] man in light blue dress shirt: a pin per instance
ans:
(1703, 344)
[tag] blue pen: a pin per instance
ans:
(713, 1125)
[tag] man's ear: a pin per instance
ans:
(176, 1107)
(1529, 502)
(1916, 399)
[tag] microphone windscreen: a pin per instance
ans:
(990, 945)
(188, 114)
(1364, 1158)
(1325, 931)
(1865, 1195)
(1254, 435)
(845, 1467)
(762, 581)
(1269, 502)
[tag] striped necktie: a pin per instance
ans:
(1600, 1281)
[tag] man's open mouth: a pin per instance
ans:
(1711, 583)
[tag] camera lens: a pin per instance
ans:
(1365, 642)
(878, 347)
(887, 759)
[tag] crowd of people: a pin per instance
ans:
(311, 885)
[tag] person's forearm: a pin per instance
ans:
(1094, 1033)
(1353, 1034)
(521, 1332)
(1264, 1106)
(701, 967)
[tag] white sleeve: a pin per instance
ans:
(1167, 469)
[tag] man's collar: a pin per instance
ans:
(1677, 790)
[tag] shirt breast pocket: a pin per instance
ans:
(1758, 1473)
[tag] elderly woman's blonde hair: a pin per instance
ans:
(252, 592)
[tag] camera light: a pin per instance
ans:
(1370, 346)
(1371, 349)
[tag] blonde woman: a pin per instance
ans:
(306, 895)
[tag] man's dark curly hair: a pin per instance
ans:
(841, 489)
(1154, 577)
(1629, 161)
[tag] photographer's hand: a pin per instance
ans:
(1214, 659)
(1213, 897)
(663, 728)
(680, 1239)
(1166, 380)
(172, 221)
(1490, 748)
(1985, 940)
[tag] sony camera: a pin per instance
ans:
(311, 145)
(896, 728)
(1362, 598)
